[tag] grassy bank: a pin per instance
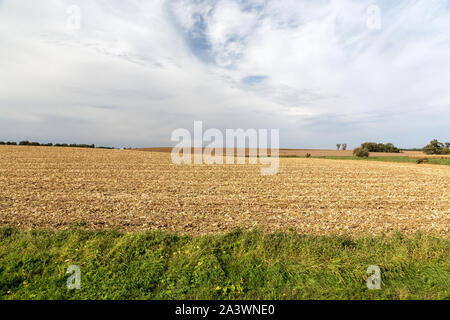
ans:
(238, 265)
(445, 162)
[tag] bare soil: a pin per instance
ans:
(49, 187)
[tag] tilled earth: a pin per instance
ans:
(55, 188)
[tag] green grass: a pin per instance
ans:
(237, 265)
(445, 162)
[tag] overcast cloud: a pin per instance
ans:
(136, 70)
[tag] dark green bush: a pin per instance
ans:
(380, 147)
(435, 147)
(361, 152)
(422, 160)
(74, 145)
(28, 143)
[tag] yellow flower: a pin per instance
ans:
(24, 282)
(9, 291)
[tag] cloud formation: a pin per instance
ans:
(128, 73)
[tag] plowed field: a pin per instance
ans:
(50, 187)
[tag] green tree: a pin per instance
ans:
(380, 147)
(361, 152)
(434, 147)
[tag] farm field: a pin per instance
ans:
(55, 188)
(244, 150)
(324, 153)
(140, 227)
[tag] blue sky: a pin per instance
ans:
(320, 71)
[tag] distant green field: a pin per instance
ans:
(445, 162)
(236, 265)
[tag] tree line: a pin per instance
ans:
(37, 144)
(434, 147)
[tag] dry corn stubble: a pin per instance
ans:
(49, 187)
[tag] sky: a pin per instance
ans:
(127, 73)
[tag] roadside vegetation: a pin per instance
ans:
(236, 265)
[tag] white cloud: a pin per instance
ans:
(138, 69)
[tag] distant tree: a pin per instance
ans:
(380, 147)
(446, 150)
(361, 152)
(338, 146)
(434, 147)
(371, 146)
(28, 143)
(344, 146)
(73, 145)
(389, 147)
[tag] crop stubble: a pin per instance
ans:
(49, 187)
